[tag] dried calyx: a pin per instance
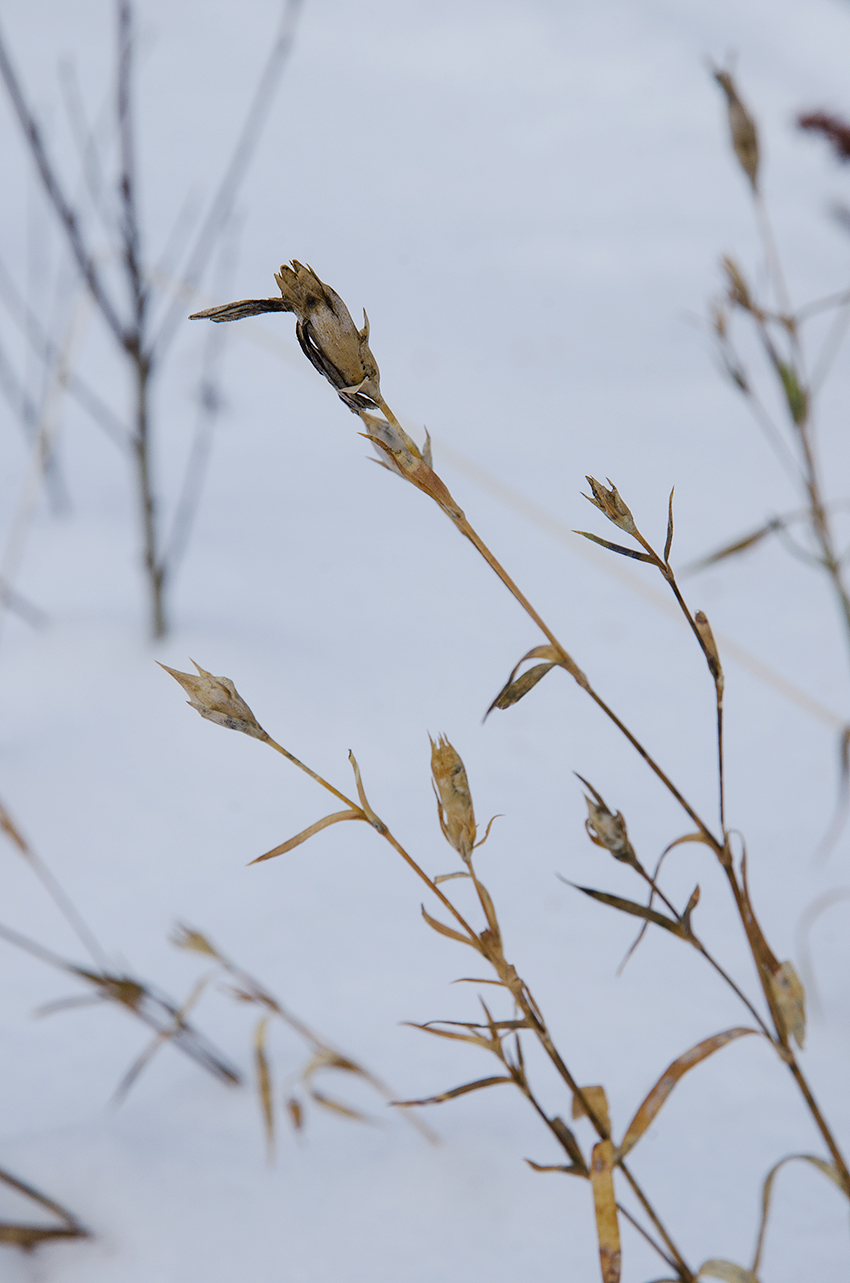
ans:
(217, 699)
(609, 502)
(605, 829)
(454, 801)
(323, 326)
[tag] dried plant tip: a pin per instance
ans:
(607, 830)
(610, 503)
(739, 291)
(742, 127)
(296, 1113)
(186, 938)
(454, 801)
(712, 654)
(217, 699)
(329, 338)
(833, 128)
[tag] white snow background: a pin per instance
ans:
(530, 199)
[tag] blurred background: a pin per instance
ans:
(531, 201)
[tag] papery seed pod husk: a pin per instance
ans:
(711, 652)
(454, 801)
(609, 501)
(742, 128)
(329, 338)
(605, 829)
(217, 699)
(790, 999)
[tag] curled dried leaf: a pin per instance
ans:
(672, 1074)
(597, 1100)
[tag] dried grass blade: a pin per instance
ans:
(455, 1091)
(569, 1142)
(672, 1074)
(614, 547)
(446, 1033)
(514, 691)
(629, 906)
(264, 1084)
(571, 1170)
(308, 833)
(605, 1205)
(448, 931)
(337, 1107)
(738, 545)
(669, 541)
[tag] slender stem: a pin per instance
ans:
(141, 444)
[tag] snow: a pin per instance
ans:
(530, 201)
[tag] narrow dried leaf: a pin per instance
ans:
(296, 1113)
(629, 906)
(795, 394)
(569, 1142)
(448, 931)
(516, 690)
(690, 906)
(605, 1204)
(447, 877)
(598, 1102)
(672, 1074)
(669, 541)
(450, 1095)
(614, 547)
(308, 833)
(264, 1083)
(489, 910)
(8, 826)
(572, 1170)
(790, 998)
(484, 1043)
(738, 545)
(726, 1270)
(337, 1107)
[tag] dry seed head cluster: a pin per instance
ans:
(454, 801)
(217, 699)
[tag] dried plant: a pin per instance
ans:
(141, 335)
(776, 1013)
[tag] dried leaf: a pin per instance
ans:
(308, 833)
(598, 1102)
(727, 1271)
(629, 906)
(447, 877)
(455, 1091)
(689, 908)
(615, 547)
(572, 1170)
(712, 654)
(605, 1204)
(795, 394)
(790, 999)
(569, 1142)
(738, 545)
(337, 1107)
(448, 931)
(476, 1041)
(829, 1170)
(264, 1083)
(672, 1074)
(669, 541)
(296, 1113)
(516, 690)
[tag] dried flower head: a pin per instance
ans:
(611, 504)
(323, 326)
(607, 830)
(742, 128)
(217, 699)
(454, 801)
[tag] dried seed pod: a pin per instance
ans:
(217, 699)
(611, 504)
(742, 128)
(605, 829)
(329, 338)
(454, 801)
